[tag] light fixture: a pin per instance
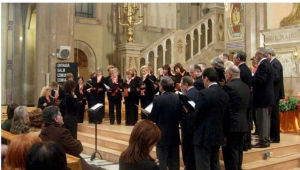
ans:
(296, 55)
(21, 38)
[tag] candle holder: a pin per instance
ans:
(130, 10)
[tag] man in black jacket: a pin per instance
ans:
(235, 126)
(263, 97)
(279, 94)
(211, 105)
(195, 73)
(166, 113)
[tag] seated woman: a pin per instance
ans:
(45, 98)
(20, 121)
(143, 138)
(7, 123)
(15, 157)
(47, 156)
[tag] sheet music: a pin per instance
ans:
(192, 103)
(178, 92)
(106, 86)
(96, 106)
(149, 108)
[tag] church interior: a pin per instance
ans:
(41, 42)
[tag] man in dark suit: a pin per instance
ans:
(235, 126)
(239, 60)
(166, 113)
(195, 73)
(279, 94)
(52, 131)
(187, 125)
(263, 97)
(57, 91)
(211, 105)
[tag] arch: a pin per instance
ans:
(203, 36)
(168, 52)
(160, 59)
(87, 49)
(188, 47)
(209, 31)
(142, 61)
(196, 42)
(151, 59)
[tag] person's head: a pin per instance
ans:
(80, 80)
(202, 66)
(47, 156)
(270, 54)
(261, 53)
(69, 76)
(10, 110)
(52, 115)
(195, 71)
(16, 153)
(217, 63)
(167, 69)
(109, 67)
(129, 73)
(209, 76)
(178, 68)
(186, 83)
(232, 72)
(46, 91)
(69, 86)
(150, 70)
(254, 62)
(54, 85)
(20, 115)
(166, 84)
(145, 70)
(159, 72)
(228, 63)
(134, 72)
(115, 72)
(99, 71)
(144, 135)
(224, 57)
(239, 58)
(93, 74)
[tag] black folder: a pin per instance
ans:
(188, 104)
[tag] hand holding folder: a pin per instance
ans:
(188, 104)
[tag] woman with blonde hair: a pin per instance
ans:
(20, 121)
(16, 153)
(45, 99)
(143, 138)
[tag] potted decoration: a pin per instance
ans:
(289, 116)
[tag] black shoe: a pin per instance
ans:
(260, 145)
(275, 141)
(255, 133)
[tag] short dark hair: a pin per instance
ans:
(187, 80)
(167, 67)
(211, 74)
(196, 67)
(167, 83)
(69, 85)
(47, 156)
(225, 55)
(241, 55)
(10, 110)
(49, 113)
(80, 77)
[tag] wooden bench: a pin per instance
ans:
(72, 161)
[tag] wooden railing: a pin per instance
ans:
(72, 161)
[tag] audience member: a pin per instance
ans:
(166, 113)
(7, 123)
(143, 138)
(52, 131)
(46, 156)
(212, 103)
(218, 64)
(16, 153)
(20, 121)
(279, 94)
(235, 123)
(187, 125)
(227, 64)
(263, 97)
(45, 99)
(195, 73)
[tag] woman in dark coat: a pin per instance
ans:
(80, 92)
(45, 98)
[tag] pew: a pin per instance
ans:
(72, 161)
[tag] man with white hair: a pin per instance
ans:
(235, 123)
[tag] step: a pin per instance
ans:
(276, 163)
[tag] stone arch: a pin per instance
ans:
(88, 50)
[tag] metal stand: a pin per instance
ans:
(93, 156)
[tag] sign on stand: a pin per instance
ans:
(62, 69)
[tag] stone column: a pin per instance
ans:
(130, 54)
(250, 30)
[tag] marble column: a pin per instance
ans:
(130, 54)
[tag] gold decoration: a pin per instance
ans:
(293, 18)
(179, 46)
(221, 27)
(130, 10)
